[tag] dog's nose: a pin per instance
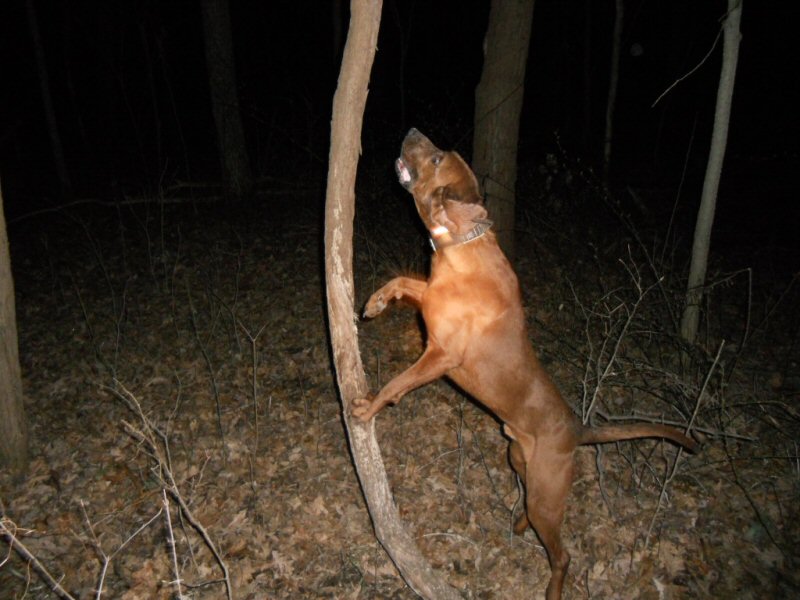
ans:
(412, 131)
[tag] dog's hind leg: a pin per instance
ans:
(517, 460)
(548, 478)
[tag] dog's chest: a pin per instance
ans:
(458, 307)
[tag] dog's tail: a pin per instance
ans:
(616, 433)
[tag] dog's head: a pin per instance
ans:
(445, 189)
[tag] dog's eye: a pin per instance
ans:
(436, 160)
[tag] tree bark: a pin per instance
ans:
(348, 112)
(613, 84)
(224, 98)
(13, 428)
(719, 140)
(498, 104)
(47, 102)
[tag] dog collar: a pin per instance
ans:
(441, 237)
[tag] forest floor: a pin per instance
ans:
(169, 306)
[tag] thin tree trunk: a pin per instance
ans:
(69, 78)
(588, 72)
(162, 59)
(498, 104)
(13, 428)
(151, 85)
(47, 101)
(613, 84)
(716, 156)
(348, 112)
(224, 97)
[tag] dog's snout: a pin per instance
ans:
(416, 147)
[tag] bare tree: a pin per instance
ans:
(224, 97)
(13, 428)
(613, 83)
(498, 104)
(348, 113)
(588, 73)
(47, 101)
(716, 156)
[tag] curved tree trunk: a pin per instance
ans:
(348, 111)
(224, 97)
(498, 103)
(13, 429)
(716, 155)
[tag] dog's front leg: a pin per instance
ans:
(433, 363)
(405, 288)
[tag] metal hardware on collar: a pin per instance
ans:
(442, 238)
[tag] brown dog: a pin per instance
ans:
(477, 337)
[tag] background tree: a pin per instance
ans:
(613, 84)
(47, 101)
(348, 113)
(498, 104)
(224, 97)
(716, 156)
(13, 428)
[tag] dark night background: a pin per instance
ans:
(132, 103)
(212, 311)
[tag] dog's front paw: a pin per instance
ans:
(360, 408)
(375, 305)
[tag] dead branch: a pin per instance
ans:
(8, 531)
(171, 543)
(207, 358)
(679, 455)
(158, 452)
(98, 547)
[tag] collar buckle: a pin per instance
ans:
(439, 239)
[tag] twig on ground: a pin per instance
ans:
(254, 355)
(207, 358)
(171, 543)
(673, 471)
(601, 480)
(8, 530)
(145, 435)
(602, 372)
(98, 547)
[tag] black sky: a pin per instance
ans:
(132, 101)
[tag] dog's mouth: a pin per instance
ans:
(404, 174)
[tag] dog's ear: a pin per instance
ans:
(463, 187)
(458, 215)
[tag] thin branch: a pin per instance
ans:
(700, 64)
(254, 356)
(207, 358)
(8, 531)
(145, 437)
(673, 471)
(171, 543)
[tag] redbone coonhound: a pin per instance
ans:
(477, 337)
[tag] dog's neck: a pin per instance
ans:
(441, 237)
